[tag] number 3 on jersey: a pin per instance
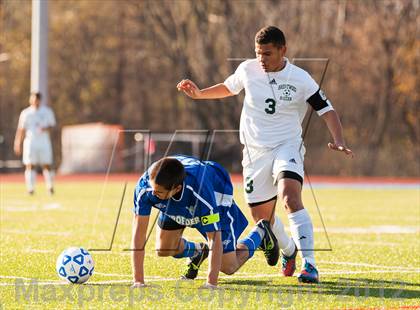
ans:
(249, 186)
(271, 108)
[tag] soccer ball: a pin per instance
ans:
(75, 265)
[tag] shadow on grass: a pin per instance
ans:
(342, 287)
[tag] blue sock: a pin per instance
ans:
(189, 249)
(253, 240)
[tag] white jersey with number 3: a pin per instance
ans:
(275, 102)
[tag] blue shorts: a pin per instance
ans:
(233, 223)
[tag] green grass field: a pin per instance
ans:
(374, 261)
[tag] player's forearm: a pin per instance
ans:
(138, 243)
(215, 258)
(47, 129)
(138, 265)
(334, 126)
(19, 136)
(217, 91)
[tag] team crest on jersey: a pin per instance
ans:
(226, 242)
(191, 209)
(286, 91)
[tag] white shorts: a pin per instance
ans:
(262, 168)
(37, 153)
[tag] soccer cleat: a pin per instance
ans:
(51, 191)
(31, 193)
(269, 243)
(195, 262)
(309, 274)
(288, 263)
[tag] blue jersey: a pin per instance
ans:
(205, 203)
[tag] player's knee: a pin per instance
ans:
(165, 252)
(291, 202)
(229, 270)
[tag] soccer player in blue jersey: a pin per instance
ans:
(198, 194)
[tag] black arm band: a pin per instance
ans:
(318, 101)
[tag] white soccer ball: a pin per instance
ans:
(75, 265)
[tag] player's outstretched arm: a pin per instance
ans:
(217, 91)
(215, 258)
(334, 126)
(138, 245)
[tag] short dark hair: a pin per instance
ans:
(36, 94)
(270, 34)
(168, 172)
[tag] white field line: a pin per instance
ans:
(385, 229)
(369, 265)
(161, 279)
(34, 232)
(39, 251)
(371, 243)
(24, 207)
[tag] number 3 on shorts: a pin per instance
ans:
(249, 186)
(271, 106)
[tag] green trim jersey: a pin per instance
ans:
(275, 102)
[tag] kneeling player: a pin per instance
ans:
(199, 194)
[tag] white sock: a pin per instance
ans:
(30, 178)
(303, 235)
(48, 177)
(286, 243)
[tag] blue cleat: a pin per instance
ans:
(309, 274)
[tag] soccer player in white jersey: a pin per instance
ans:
(277, 95)
(35, 124)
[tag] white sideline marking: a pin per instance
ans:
(38, 251)
(369, 265)
(371, 243)
(24, 207)
(385, 229)
(161, 279)
(34, 232)
(14, 277)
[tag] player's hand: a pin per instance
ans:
(208, 286)
(189, 88)
(340, 147)
(138, 285)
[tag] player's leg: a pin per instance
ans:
(29, 160)
(261, 195)
(266, 210)
(46, 159)
(48, 178)
(288, 168)
(286, 244)
(232, 261)
(30, 178)
(236, 253)
(300, 226)
(169, 241)
(233, 258)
